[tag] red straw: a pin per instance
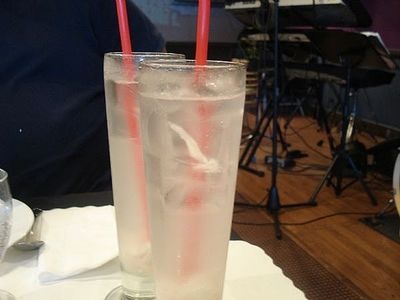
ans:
(130, 104)
(123, 26)
(203, 28)
(193, 201)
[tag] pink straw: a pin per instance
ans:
(123, 27)
(190, 262)
(130, 104)
(203, 28)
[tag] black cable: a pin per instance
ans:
(299, 129)
(259, 205)
(388, 211)
(299, 171)
(306, 175)
(308, 145)
(314, 166)
(249, 205)
(384, 179)
(306, 222)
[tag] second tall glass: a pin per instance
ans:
(191, 121)
(127, 168)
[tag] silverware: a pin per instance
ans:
(31, 240)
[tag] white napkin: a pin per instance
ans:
(76, 240)
(251, 274)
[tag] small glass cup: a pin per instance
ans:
(127, 169)
(5, 222)
(191, 121)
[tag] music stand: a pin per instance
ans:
(351, 51)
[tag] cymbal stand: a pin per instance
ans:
(342, 158)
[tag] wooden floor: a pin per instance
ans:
(346, 247)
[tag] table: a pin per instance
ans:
(251, 274)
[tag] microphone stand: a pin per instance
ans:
(273, 203)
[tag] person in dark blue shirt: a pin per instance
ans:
(53, 132)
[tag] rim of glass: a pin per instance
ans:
(147, 54)
(191, 64)
(3, 175)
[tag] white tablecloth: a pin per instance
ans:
(250, 274)
(74, 235)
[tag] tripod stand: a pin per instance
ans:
(342, 158)
(266, 117)
(254, 142)
(273, 203)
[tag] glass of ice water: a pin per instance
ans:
(191, 121)
(5, 222)
(129, 190)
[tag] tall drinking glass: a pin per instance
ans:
(120, 77)
(5, 222)
(191, 121)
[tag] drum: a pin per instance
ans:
(396, 183)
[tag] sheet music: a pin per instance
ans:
(244, 5)
(283, 37)
(308, 2)
(378, 36)
(257, 3)
(381, 48)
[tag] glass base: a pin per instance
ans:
(6, 295)
(118, 294)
